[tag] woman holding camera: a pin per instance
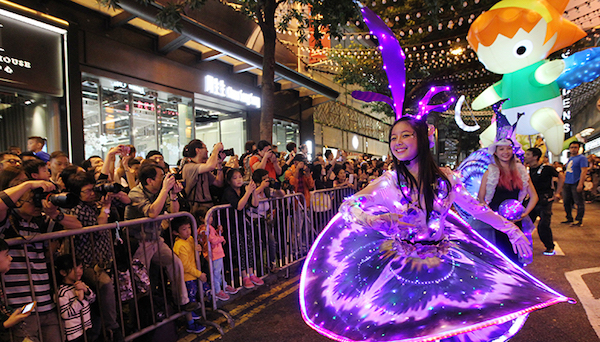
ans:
(197, 175)
(300, 177)
(95, 249)
(240, 233)
(262, 214)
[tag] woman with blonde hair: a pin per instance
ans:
(505, 179)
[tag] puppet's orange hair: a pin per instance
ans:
(508, 20)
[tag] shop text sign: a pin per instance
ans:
(215, 86)
(31, 56)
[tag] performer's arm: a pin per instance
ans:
(483, 213)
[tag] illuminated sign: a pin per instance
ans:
(215, 86)
(31, 54)
(566, 114)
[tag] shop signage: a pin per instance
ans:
(215, 86)
(31, 54)
(566, 114)
(128, 87)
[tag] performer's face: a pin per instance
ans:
(403, 141)
(504, 153)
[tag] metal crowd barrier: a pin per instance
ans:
(274, 236)
(325, 204)
(153, 302)
(280, 233)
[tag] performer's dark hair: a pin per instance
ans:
(429, 172)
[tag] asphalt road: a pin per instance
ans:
(271, 312)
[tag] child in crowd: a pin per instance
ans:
(74, 297)
(240, 197)
(8, 316)
(216, 243)
(185, 249)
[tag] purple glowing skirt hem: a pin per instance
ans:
(355, 287)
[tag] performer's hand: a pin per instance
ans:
(519, 218)
(580, 188)
(520, 243)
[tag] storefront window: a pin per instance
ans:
(119, 113)
(285, 132)
(33, 115)
(213, 127)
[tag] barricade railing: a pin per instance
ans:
(325, 204)
(275, 235)
(259, 240)
(139, 290)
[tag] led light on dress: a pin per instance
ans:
(383, 270)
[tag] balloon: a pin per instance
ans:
(513, 39)
(511, 209)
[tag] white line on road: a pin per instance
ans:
(558, 250)
(590, 304)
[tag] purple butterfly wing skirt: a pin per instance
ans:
(356, 287)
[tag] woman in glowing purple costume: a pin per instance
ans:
(397, 265)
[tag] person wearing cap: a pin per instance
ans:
(505, 179)
(575, 172)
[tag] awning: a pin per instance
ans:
(216, 41)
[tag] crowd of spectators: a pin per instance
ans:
(43, 192)
(124, 186)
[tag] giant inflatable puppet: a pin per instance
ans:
(426, 276)
(513, 39)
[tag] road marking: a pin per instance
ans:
(590, 304)
(240, 308)
(252, 313)
(558, 250)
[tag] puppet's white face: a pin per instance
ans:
(508, 55)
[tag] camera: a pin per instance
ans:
(273, 183)
(62, 200)
(178, 176)
(105, 188)
(228, 152)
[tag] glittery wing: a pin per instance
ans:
(470, 173)
(355, 286)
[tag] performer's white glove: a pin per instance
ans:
(519, 241)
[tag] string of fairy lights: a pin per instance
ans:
(436, 55)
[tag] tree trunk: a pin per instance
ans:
(268, 72)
